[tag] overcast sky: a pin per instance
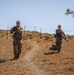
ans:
(45, 14)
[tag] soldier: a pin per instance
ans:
(17, 38)
(59, 35)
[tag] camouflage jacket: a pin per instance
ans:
(60, 34)
(17, 33)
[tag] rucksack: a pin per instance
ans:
(53, 47)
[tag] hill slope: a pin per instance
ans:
(34, 61)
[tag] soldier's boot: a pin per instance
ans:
(59, 49)
(15, 53)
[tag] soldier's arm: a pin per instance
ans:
(12, 30)
(64, 36)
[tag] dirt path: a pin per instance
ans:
(25, 65)
(29, 63)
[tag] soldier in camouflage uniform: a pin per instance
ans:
(59, 35)
(17, 38)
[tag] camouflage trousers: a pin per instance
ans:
(58, 44)
(17, 48)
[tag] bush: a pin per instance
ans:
(10, 35)
(30, 36)
(1, 32)
(35, 32)
(46, 37)
(70, 37)
(24, 37)
(2, 35)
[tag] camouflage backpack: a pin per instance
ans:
(53, 47)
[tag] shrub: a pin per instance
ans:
(35, 32)
(24, 37)
(10, 35)
(70, 37)
(1, 32)
(2, 35)
(30, 36)
(46, 37)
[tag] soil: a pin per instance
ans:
(36, 58)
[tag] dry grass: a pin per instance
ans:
(33, 60)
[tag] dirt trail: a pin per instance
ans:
(29, 63)
(25, 64)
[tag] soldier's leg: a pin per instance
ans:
(57, 44)
(19, 48)
(59, 47)
(15, 52)
(15, 49)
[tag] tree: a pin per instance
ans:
(69, 12)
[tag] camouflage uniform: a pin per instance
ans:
(59, 35)
(17, 38)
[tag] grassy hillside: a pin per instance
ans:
(36, 58)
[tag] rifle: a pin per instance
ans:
(65, 38)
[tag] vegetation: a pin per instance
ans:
(1, 32)
(24, 37)
(47, 37)
(69, 12)
(30, 36)
(70, 37)
(2, 35)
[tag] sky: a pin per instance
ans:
(37, 14)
